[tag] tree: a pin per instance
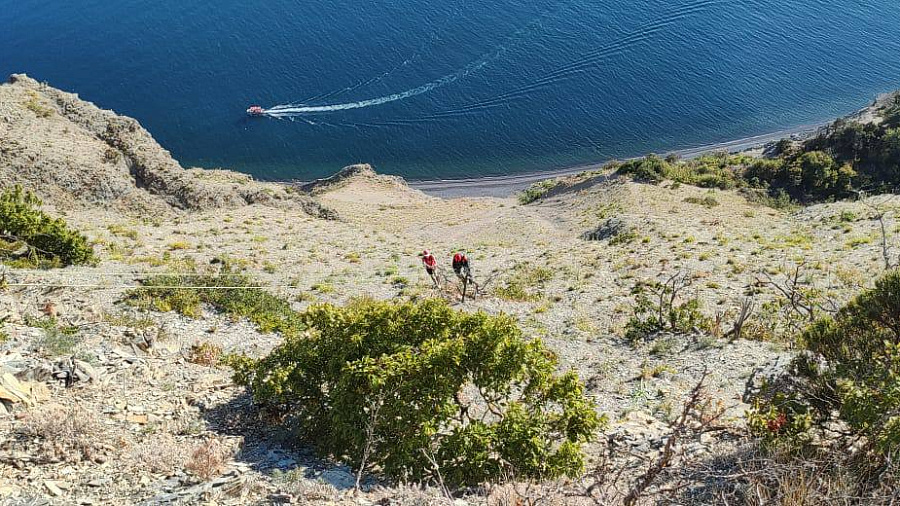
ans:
(425, 392)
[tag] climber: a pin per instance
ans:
(463, 272)
(461, 266)
(430, 264)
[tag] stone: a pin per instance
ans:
(338, 478)
(611, 228)
(140, 419)
(14, 391)
(8, 490)
(53, 488)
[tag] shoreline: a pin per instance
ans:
(508, 186)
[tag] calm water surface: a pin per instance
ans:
(455, 88)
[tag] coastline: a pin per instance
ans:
(507, 186)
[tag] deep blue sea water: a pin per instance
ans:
(463, 87)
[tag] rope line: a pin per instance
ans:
(143, 287)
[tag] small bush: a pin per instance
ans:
(658, 307)
(522, 282)
(207, 460)
(67, 434)
(39, 110)
(626, 236)
(123, 231)
(427, 389)
(207, 354)
(537, 191)
(650, 169)
(707, 201)
(57, 340)
(47, 242)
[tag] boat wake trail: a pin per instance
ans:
(640, 35)
(293, 110)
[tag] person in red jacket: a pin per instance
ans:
(430, 264)
(461, 266)
(463, 271)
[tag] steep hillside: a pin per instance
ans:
(73, 153)
(103, 401)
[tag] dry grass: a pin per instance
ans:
(65, 434)
(208, 459)
(163, 455)
(205, 353)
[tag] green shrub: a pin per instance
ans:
(56, 340)
(850, 370)
(39, 110)
(658, 307)
(3, 335)
(848, 216)
(233, 294)
(537, 191)
(422, 384)
(47, 242)
(650, 169)
(626, 236)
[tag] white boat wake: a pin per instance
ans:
(641, 35)
(290, 110)
(296, 110)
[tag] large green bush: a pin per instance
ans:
(850, 373)
(36, 238)
(432, 392)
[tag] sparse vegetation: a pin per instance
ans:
(233, 294)
(205, 353)
(207, 460)
(67, 434)
(707, 201)
(57, 340)
(523, 283)
(123, 231)
(659, 307)
(35, 106)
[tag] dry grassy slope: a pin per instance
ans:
(73, 153)
(372, 251)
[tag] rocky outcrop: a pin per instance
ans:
(347, 174)
(71, 152)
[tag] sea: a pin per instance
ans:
(445, 89)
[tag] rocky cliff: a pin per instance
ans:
(74, 154)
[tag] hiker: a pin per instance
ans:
(463, 271)
(461, 266)
(430, 264)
